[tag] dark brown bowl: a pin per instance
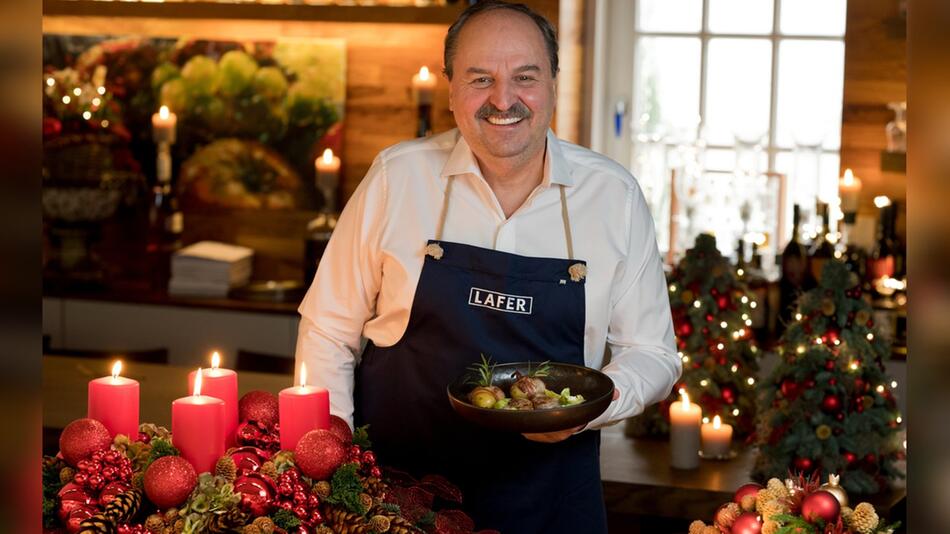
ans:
(596, 387)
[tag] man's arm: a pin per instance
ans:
(643, 361)
(342, 297)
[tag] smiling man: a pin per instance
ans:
(494, 238)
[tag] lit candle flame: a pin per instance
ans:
(881, 201)
(717, 422)
(685, 396)
(163, 112)
(328, 156)
(197, 390)
(848, 178)
(215, 360)
(303, 374)
(424, 73)
(116, 369)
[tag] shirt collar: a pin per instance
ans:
(557, 170)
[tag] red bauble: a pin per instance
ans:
(73, 496)
(859, 385)
(77, 516)
(831, 403)
(247, 459)
(722, 302)
(830, 365)
(319, 453)
(341, 429)
(113, 490)
(169, 481)
(839, 416)
(81, 438)
(870, 458)
(257, 493)
(803, 464)
(747, 523)
(831, 336)
(728, 394)
(746, 489)
(709, 317)
(789, 389)
(259, 406)
(821, 505)
(849, 457)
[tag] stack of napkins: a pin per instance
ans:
(209, 269)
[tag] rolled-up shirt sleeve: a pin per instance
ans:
(642, 348)
(342, 297)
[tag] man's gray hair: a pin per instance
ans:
(483, 6)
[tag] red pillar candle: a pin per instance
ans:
(198, 428)
(302, 408)
(114, 402)
(221, 384)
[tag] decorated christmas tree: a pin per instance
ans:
(711, 311)
(828, 405)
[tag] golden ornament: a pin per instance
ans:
(823, 432)
(835, 489)
(827, 307)
(862, 317)
(686, 297)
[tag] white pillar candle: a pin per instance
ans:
(163, 126)
(423, 86)
(717, 438)
(685, 419)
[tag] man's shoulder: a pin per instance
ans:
(589, 164)
(435, 146)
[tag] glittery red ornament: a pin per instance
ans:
(821, 505)
(747, 523)
(746, 489)
(803, 464)
(257, 493)
(319, 453)
(259, 406)
(81, 438)
(341, 429)
(849, 457)
(831, 403)
(169, 480)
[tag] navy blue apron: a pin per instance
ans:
(512, 308)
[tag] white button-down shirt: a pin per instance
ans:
(366, 281)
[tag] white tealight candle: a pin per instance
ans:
(685, 418)
(328, 177)
(717, 438)
(849, 189)
(163, 126)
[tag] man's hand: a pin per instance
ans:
(561, 435)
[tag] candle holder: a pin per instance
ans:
(424, 123)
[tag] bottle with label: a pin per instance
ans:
(821, 249)
(883, 258)
(795, 275)
(165, 226)
(320, 228)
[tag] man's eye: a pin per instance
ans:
(525, 78)
(484, 80)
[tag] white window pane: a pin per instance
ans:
(810, 86)
(720, 160)
(740, 16)
(666, 85)
(738, 90)
(802, 187)
(813, 17)
(670, 15)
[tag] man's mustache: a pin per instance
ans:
(516, 111)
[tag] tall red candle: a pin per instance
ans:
(198, 428)
(221, 384)
(114, 402)
(302, 408)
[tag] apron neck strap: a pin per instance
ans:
(564, 216)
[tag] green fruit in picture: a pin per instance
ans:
(163, 73)
(200, 75)
(215, 112)
(236, 70)
(270, 83)
(174, 95)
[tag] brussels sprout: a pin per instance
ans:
(174, 95)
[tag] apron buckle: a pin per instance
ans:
(578, 272)
(434, 250)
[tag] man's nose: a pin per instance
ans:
(503, 95)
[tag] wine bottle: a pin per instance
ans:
(759, 287)
(795, 275)
(821, 250)
(882, 260)
(165, 226)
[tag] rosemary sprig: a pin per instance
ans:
(485, 372)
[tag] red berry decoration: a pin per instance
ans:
(260, 406)
(831, 403)
(830, 365)
(746, 489)
(803, 464)
(319, 453)
(821, 505)
(747, 523)
(341, 429)
(169, 480)
(81, 438)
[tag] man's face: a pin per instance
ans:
(502, 92)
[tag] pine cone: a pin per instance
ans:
(251, 529)
(66, 475)
(748, 503)
(322, 489)
(864, 519)
(727, 515)
(323, 529)
(777, 488)
(268, 468)
(229, 521)
(171, 515)
(266, 524)
(179, 526)
(374, 486)
(124, 506)
(770, 527)
(226, 468)
(155, 524)
(379, 523)
(772, 509)
(97, 524)
(711, 530)
(366, 501)
(846, 514)
(697, 527)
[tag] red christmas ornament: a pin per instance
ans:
(709, 317)
(870, 458)
(81, 438)
(859, 385)
(341, 429)
(113, 490)
(803, 464)
(705, 330)
(832, 381)
(789, 389)
(821, 505)
(830, 365)
(747, 523)
(686, 329)
(728, 394)
(169, 480)
(259, 406)
(810, 383)
(319, 453)
(831, 403)
(681, 344)
(839, 416)
(746, 489)
(257, 493)
(77, 516)
(73, 496)
(849, 457)
(831, 336)
(247, 459)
